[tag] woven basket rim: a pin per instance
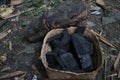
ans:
(47, 67)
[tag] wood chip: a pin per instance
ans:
(100, 2)
(5, 69)
(16, 2)
(10, 45)
(104, 40)
(12, 74)
(117, 61)
(4, 34)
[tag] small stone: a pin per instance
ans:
(96, 13)
(94, 8)
(107, 20)
(15, 19)
(28, 49)
(116, 14)
(90, 24)
(3, 59)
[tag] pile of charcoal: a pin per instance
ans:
(70, 52)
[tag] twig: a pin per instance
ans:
(10, 45)
(115, 74)
(119, 74)
(117, 61)
(16, 2)
(104, 40)
(4, 33)
(16, 14)
(12, 74)
(45, 24)
(5, 69)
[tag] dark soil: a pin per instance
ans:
(24, 54)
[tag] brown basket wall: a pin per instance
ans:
(59, 74)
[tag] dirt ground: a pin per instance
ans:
(24, 54)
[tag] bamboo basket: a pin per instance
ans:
(60, 74)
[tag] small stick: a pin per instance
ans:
(5, 69)
(45, 24)
(119, 74)
(16, 14)
(10, 45)
(20, 12)
(12, 74)
(115, 74)
(16, 2)
(117, 61)
(36, 71)
(104, 39)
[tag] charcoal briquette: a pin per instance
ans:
(80, 30)
(52, 62)
(86, 62)
(82, 46)
(69, 62)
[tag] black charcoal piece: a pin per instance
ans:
(5, 2)
(80, 30)
(52, 62)
(54, 44)
(86, 62)
(72, 50)
(69, 62)
(56, 37)
(59, 51)
(66, 37)
(60, 41)
(82, 46)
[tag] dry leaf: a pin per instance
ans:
(5, 10)
(3, 59)
(100, 2)
(12, 74)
